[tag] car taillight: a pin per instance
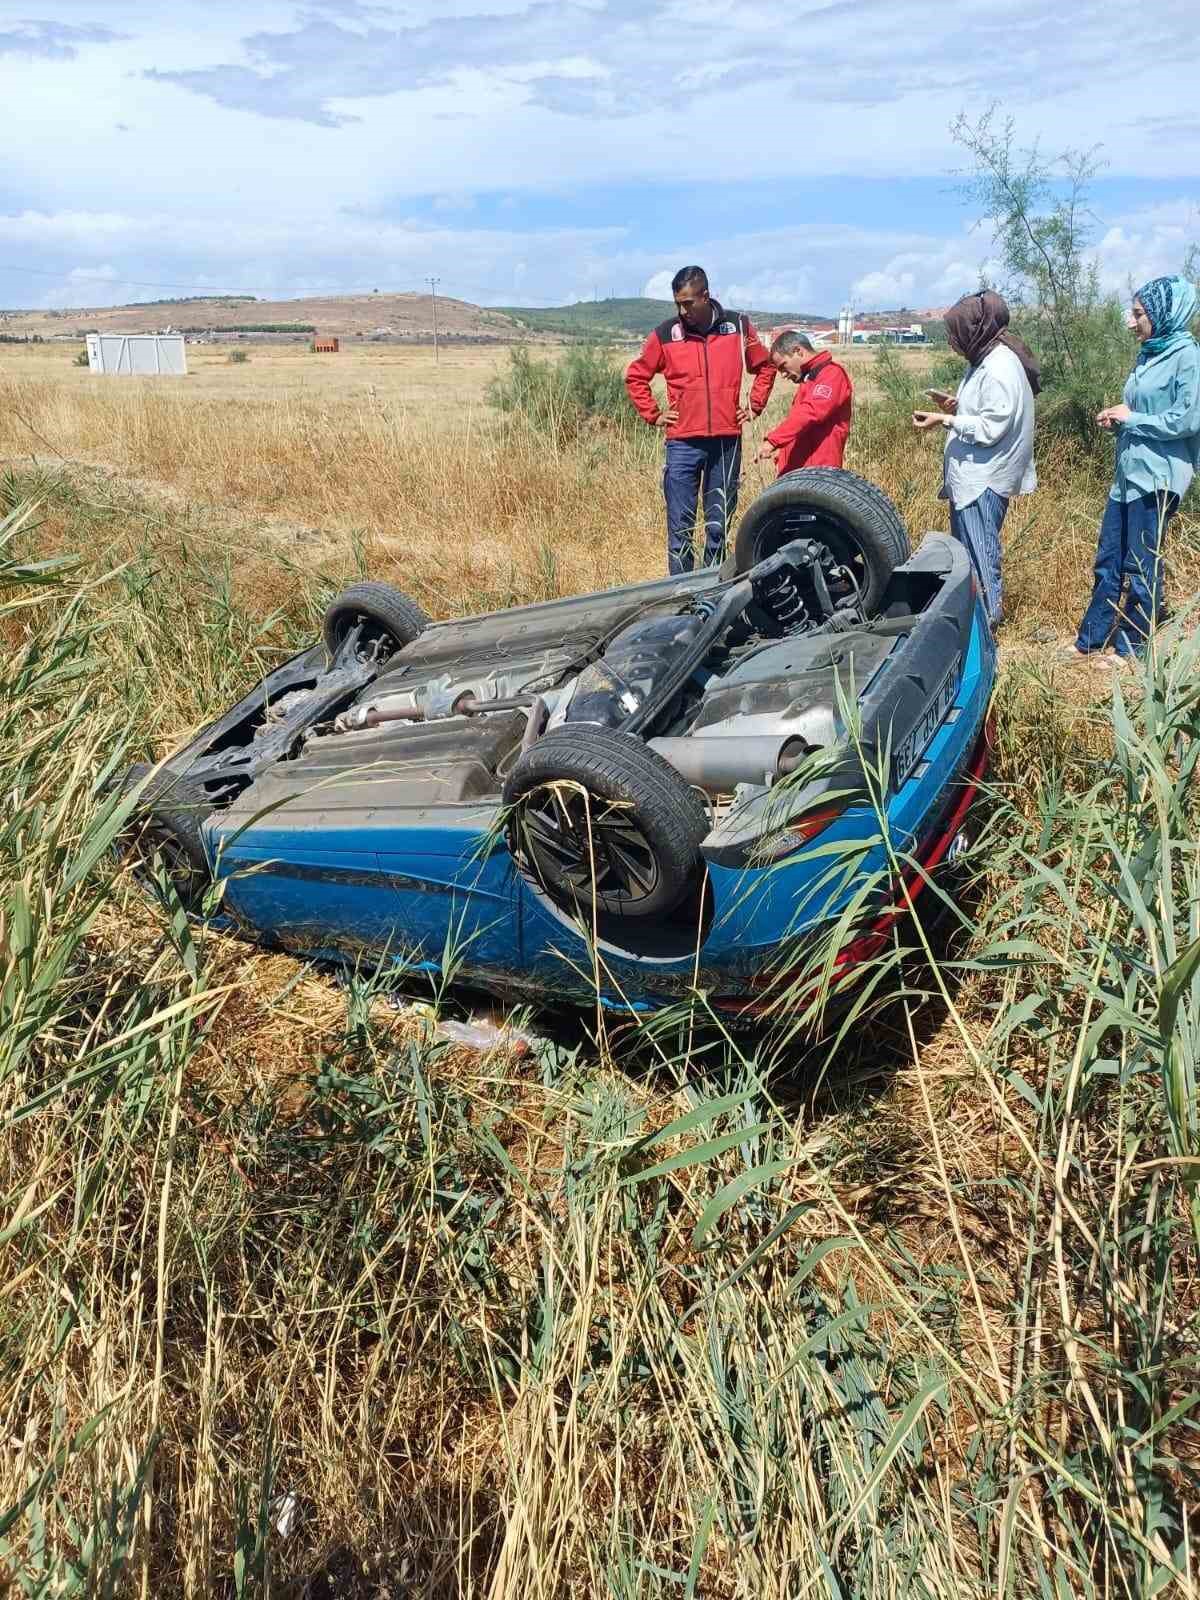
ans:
(800, 831)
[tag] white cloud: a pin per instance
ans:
(513, 90)
(273, 255)
(1133, 248)
(891, 73)
(893, 287)
(931, 277)
(238, 166)
(772, 288)
(1147, 243)
(108, 257)
(86, 286)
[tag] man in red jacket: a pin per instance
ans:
(813, 434)
(702, 353)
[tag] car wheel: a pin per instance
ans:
(603, 823)
(853, 519)
(166, 827)
(372, 619)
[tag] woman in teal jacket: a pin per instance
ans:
(1158, 447)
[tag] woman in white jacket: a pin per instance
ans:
(989, 423)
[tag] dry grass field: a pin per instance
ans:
(299, 1303)
(408, 379)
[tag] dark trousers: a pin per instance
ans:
(716, 464)
(1128, 559)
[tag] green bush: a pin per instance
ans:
(238, 356)
(901, 388)
(568, 397)
(1102, 352)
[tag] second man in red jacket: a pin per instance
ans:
(813, 434)
(702, 353)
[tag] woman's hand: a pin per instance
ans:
(1113, 416)
(765, 451)
(666, 418)
(929, 419)
(947, 401)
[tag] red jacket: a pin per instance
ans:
(703, 373)
(813, 434)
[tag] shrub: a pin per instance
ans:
(567, 397)
(1074, 389)
(902, 389)
(81, 359)
(236, 357)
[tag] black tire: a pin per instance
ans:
(603, 823)
(386, 619)
(166, 825)
(852, 518)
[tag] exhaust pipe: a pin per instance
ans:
(371, 717)
(720, 763)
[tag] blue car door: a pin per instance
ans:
(454, 889)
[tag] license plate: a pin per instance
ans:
(912, 748)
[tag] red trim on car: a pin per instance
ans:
(874, 938)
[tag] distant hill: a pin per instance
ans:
(398, 316)
(630, 317)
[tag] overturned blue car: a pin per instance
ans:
(660, 790)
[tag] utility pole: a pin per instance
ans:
(433, 283)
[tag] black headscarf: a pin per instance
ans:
(978, 323)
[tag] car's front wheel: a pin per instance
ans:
(164, 834)
(604, 824)
(372, 619)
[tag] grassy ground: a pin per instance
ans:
(412, 382)
(410, 379)
(297, 1302)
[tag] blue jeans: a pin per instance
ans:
(978, 527)
(1129, 558)
(716, 463)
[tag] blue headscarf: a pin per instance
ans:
(1170, 303)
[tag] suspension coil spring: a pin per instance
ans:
(781, 599)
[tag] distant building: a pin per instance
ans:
(819, 336)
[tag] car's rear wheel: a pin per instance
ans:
(854, 520)
(164, 834)
(373, 620)
(604, 824)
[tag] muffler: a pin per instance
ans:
(719, 763)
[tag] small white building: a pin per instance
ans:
(138, 355)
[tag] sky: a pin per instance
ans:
(536, 152)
